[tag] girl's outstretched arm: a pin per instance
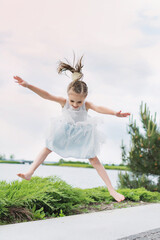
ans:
(105, 110)
(39, 91)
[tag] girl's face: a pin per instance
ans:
(75, 100)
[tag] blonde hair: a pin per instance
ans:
(77, 85)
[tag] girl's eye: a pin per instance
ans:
(73, 101)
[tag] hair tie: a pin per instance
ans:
(76, 76)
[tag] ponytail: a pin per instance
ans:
(75, 70)
(77, 85)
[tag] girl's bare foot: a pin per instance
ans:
(117, 196)
(26, 176)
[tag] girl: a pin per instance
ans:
(74, 133)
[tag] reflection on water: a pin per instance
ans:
(77, 177)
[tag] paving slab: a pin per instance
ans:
(109, 225)
(149, 235)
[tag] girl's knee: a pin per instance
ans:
(47, 150)
(90, 159)
(94, 160)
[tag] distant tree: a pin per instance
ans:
(12, 156)
(2, 157)
(61, 161)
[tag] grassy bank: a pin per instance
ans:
(87, 165)
(75, 164)
(42, 198)
(7, 161)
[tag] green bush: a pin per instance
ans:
(136, 181)
(143, 158)
(41, 198)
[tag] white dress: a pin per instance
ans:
(74, 133)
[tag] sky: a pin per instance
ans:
(120, 41)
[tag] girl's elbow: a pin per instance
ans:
(46, 96)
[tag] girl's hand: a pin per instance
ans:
(21, 81)
(119, 114)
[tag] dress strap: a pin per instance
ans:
(84, 106)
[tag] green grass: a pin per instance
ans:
(42, 198)
(7, 161)
(88, 166)
(75, 164)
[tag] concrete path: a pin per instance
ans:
(108, 225)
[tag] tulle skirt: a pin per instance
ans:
(75, 139)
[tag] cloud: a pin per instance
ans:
(124, 69)
(120, 43)
(4, 36)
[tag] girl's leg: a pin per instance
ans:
(103, 174)
(39, 159)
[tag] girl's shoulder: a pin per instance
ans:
(87, 105)
(63, 102)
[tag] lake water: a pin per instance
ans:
(75, 176)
